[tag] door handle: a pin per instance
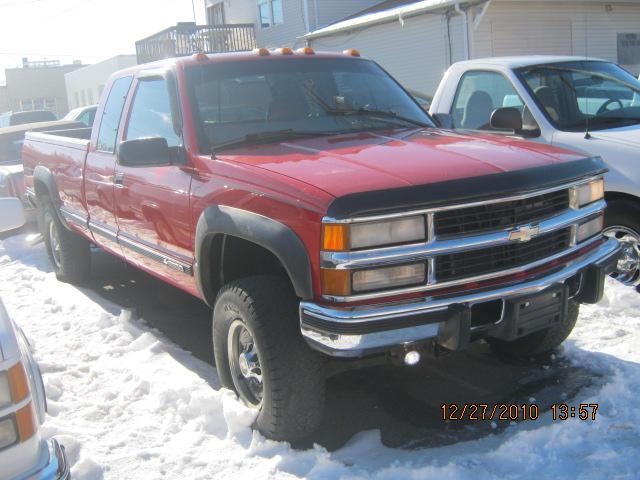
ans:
(118, 179)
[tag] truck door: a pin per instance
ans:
(100, 165)
(152, 197)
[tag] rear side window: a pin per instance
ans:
(151, 113)
(112, 113)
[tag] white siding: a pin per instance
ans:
(285, 34)
(236, 11)
(571, 28)
(332, 11)
(416, 53)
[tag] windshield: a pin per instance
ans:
(586, 94)
(296, 96)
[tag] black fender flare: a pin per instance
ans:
(270, 234)
(43, 175)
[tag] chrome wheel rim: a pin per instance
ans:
(54, 244)
(244, 362)
(628, 268)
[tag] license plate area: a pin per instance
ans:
(536, 312)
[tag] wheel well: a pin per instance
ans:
(608, 196)
(41, 189)
(230, 258)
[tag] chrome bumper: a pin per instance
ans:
(357, 331)
(57, 468)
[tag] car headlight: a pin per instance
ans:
(8, 432)
(590, 228)
(587, 193)
(5, 390)
(343, 236)
(342, 282)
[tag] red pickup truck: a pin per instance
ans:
(324, 216)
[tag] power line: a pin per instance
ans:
(23, 2)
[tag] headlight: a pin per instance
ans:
(345, 282)
(388, 277)
(587, 193)
(8, 432)
(5, 390)
(589, 229)
(343, 237)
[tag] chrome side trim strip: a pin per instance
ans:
(103, 231)
(353, 344)
(73, 216)
(171, 262)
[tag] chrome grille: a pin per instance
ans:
(471, 263)
(497, 216)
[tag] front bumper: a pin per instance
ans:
(450, 322)
(57, 468)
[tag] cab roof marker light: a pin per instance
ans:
(263, 52)
(352, 52)
(306, 51)
(200, 57)
(284, 51)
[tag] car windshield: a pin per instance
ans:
(274, 98)
(582, 95)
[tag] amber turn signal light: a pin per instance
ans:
(284, 51)
(263, 52)
(335, 237)
(26, 420)
(306, 51)
(18, 383)
(352, 52)
(336, 282)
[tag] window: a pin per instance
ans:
(151, 113)
(112, 113)
(478, 95)
(90, 96)
(270, 12)
(76, 95)
(215, 14)
(83, 98)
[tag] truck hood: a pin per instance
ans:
(628, 136)
(366, 161)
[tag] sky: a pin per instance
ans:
(88, 30)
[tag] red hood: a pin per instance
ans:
(366, 161)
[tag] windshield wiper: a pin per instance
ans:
(265, 137)
(362, 111)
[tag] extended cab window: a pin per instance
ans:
(479, 94)
(151, 113)
(112, 113)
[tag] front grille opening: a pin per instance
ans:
(497, 216)
(483, 261)
(486, 313)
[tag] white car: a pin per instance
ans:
(24, 454)
(581, 104)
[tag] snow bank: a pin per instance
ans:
(128, 403)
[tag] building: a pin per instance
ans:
(38, 86)
(416, 41)
(84, 86)
(4, 100)
(281, 23)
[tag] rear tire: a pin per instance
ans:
(263, 311)
(540, 342)
(68, 252)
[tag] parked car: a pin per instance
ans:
(311, 202)
(586, 105)
(24, 453)
(84, 115)
(10, 119)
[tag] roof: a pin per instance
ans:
(380, 7)
(395, 9)
(525, 60)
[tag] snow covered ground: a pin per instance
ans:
(126, 407)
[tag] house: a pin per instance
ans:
(84, 86)
(281, 23)
(416, 41)
(38, 86)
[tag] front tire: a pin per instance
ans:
(541, 342)
(622, 221)
(260, 354)
(68, 252)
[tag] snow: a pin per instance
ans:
(128, 403)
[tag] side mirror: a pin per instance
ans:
(444, 120)
(507, 118)
(11, 214)
(143, 152)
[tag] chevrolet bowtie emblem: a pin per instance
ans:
(524, 234)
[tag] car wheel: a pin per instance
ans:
(622, 221)
(260, 354)
(69, 254)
